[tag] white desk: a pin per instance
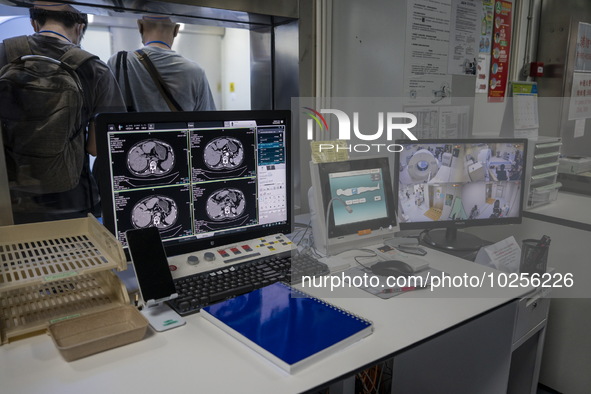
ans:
(569, 209)
(199, 357)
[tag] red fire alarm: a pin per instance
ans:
(536, 69)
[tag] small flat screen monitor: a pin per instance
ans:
(452, 184)
(202, 178)
(354, 203)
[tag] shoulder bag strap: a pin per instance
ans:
(121, 62)
(74, 58)
(170, 101)
(16, 47)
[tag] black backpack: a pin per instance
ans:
(41, 102)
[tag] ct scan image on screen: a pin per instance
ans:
(149, 159)
(197, 177)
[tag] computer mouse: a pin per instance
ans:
(391, 268)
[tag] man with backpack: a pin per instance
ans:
(49, 91)
(156, 78)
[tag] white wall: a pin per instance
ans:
(368, 48)
(236, 69)
(97, 40)
(474, 193)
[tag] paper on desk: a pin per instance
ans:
(505, 255)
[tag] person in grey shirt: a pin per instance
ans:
(185, 79)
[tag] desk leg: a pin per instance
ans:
(345, 386)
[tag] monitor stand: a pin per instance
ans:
(453, 240)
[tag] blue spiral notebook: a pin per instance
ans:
(288, 327)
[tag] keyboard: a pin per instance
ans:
(206, 288)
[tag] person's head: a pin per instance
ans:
(157, 28)
(54, 15)
(502, 167)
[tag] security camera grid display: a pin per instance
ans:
(186, 182)
(465, 181)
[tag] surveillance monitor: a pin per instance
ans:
(449, 184)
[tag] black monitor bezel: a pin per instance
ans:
(459, 224)
(172, 249)
(324, 169)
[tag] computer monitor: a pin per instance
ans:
(454, 183)
(357, 194)
(204, 179)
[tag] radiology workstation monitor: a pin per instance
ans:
(451, 184)
(202, 178)
(352, 203)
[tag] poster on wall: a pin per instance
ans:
(454, 121)
(525, 109)
(486, 28)
(482, 73)
(580, 97)
(501, 43)
(426, 52)
(427, 121)
(463, 46)
(525, 104)
(583, 48)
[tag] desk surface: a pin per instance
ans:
(199, 357)
(569, 209)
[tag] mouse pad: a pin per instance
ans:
(382, 290)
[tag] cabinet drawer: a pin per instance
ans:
(531, 311)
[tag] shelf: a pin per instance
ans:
(548, 145)
(48, 251)
(547, 165)
(544, 175)
(51, 271)
(546, 155)
(548, 187)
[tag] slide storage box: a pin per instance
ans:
(52, 271)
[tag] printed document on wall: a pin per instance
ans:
(466, 18)
(580, 97)
(454, 121)
(583, 48)
(426, 52)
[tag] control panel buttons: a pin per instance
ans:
(192, 260)
(209, 256)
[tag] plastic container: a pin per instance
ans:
(27, 311)
(49, 251)
(533, 258)
(83, 336)
(51, 271)
(544, 195)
